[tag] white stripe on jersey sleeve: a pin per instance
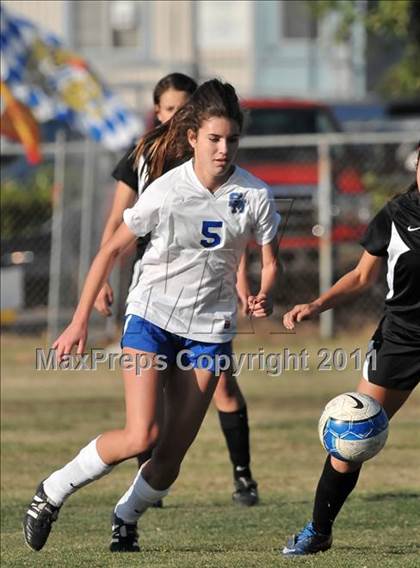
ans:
(141, 176)
(396, 248)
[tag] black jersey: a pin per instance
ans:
(394, 233)
(125, 171)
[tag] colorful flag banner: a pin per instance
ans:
(55, 83)
(19, 124)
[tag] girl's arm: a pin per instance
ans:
(124, 198)
(76, 332)
(242, 284)
(261, 305)
(360, 278)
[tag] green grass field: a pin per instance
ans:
(48, 416)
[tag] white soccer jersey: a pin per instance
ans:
(187, 280)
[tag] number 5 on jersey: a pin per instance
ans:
(212, 231)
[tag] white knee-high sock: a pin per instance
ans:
(87, 466)
(137, 499)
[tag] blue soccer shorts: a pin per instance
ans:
(144, 335)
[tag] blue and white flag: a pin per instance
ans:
(56, 83)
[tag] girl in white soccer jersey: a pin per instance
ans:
(182, 309)
(169, 94)
(394, 234)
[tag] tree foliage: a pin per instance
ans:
(26, 205)
(384, 19)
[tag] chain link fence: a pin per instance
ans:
(327, 188)
(53, 216)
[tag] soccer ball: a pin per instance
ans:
(353, 427)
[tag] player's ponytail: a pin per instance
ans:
(164, 147)
(167, 145)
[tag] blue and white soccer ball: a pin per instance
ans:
(353, 427)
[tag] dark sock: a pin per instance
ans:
(236, 430)
(332, 491)
(143, 457)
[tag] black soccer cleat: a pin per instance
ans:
(246, 492)
(124, 536)
(38, 519)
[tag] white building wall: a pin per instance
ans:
(171, 38)
(225, 36)
(312, 67)
(239, 41)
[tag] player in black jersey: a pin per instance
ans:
(393, 235)
(170, 93)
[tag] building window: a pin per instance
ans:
(298, 22)
(125, 23)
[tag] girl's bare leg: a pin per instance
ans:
(187, 398)
(144, 409)
(228, 396)
(144, 414)
(144, 417)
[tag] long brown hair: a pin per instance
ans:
(167, 145)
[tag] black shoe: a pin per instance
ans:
(124, 536)
(38, 519)
(158, 504)
(246, 492)
(308, 541)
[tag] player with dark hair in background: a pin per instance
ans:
(169, 94)
(394, 235)
(181, 308)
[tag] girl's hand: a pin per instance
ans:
(74, 334)
(243, 304)
(299, 313)
(260, 306)
(104, 300)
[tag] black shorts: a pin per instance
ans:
(392, 364)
